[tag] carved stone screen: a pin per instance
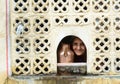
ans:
(38, 26)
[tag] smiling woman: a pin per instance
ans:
(79, 49)
(71, 56)
(71, 49)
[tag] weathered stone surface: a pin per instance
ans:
(90, 80)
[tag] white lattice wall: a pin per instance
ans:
(46, 22)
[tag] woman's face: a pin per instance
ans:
(78, 47)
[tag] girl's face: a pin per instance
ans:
(66, 55)
(78, 47)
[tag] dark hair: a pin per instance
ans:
(65, 40)
(81, 58)
(69, 40)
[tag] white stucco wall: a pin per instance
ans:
(3, 73)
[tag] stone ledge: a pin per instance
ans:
(40, 77)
